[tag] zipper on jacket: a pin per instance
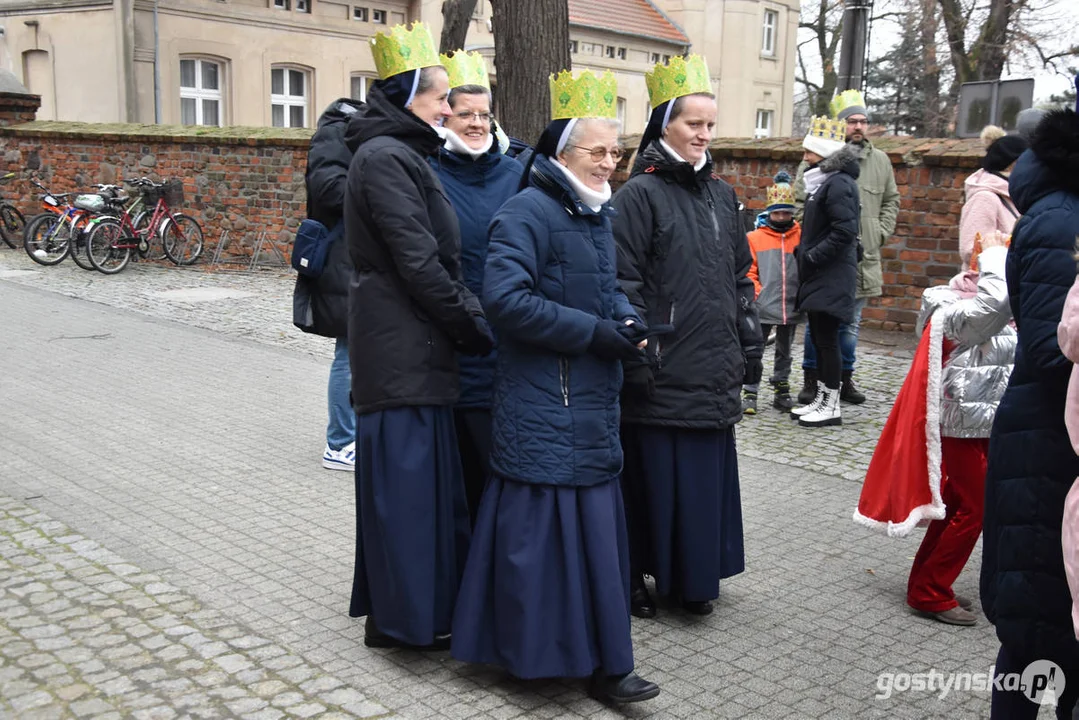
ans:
(659, 343)
(563, 378)
(783, 272)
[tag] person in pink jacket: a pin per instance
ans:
(988, 206)
(1068, 337)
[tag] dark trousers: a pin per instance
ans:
(473, 427)
(825, 331)
(1016, 705)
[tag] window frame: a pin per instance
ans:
(574, 47)
(770, 33)
(621, 53)
(287, 100)
(367, 80)
(768, 129)
(375, 12)
(363, 11)
(304, 6)
(285, 5)
(609, 52)
(200, 94)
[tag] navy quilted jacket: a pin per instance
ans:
(550, 277)
(476, 188)
(1031, 462)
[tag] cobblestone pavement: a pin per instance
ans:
(158, 469)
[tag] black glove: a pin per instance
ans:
(754, 370)
(636, 332)
(480, 341)
(859, 251)
(609, 342)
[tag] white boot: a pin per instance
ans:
(827, 412)
(805, 409)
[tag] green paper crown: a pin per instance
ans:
(846, 99)
(677, 78)
(403, 49)
(465, 68)
(585, 96)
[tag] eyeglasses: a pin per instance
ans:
(598, 153)
(467, 116)
(863, 121)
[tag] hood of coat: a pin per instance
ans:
(1051, 164)
(985, 181)
(380, 117)
(340, 110)
(655, 159)
(547, 178)
(844, 160)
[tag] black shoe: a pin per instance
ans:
(697, 607)
(749, 403)
(809, 388)
(782, 400)
(628, 688)
(640, 602)
(375, 638)
(848, 391)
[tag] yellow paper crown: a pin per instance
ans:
(781, 194)
(466, 68)
(677, 78)
(847, 99)
(403, 49)
(828, 129)
(584, 96)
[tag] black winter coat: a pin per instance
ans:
(828, 253)
(408, 308)
(1032, 465)
(321, 304)
(683, 259)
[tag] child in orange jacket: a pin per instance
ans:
(775, 276)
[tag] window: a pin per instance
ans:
(764, 123)
(655, 58)
(200, 92)
(573, 46)
(303, 6)
(281, 4)
(622, 111)
(621, 53)
(771, 25)
(378, 17)
(358, 87)
(610, 51)
(359, 13)
(288, 97)
(666, 58)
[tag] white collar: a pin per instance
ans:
(670, 151)
(455, 144)
(588, 196)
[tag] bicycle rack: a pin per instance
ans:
(259, 244)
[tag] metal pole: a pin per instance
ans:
(853, 45)
(157, 71)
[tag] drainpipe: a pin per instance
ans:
(157, 71)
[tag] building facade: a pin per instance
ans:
(280, 62)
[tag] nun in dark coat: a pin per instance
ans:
(545, 592)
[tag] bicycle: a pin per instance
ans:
(12, 222)
(63, 228)
(112, 240)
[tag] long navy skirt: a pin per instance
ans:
(546, 589)
(411, 522)
(684, 508)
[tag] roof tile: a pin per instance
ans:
(635, 17)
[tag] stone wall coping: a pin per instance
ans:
(123, 132)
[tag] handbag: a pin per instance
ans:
(312, 247)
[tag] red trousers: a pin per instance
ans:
(948, 543)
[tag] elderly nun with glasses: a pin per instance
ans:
(683, 261)
(477, 178)
(546, 588)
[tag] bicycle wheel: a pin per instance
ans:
(102, 250)
(182, 238)
(47, 239)
(80, 251)
(141, 224)
(12, 224)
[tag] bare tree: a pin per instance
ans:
(531, 42)
(824, 21)
(456, 17)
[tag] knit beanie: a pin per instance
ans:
(1003, 152)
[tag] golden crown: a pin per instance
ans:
(828, 129)
(584, 96)
(466, 68)
(403, 49)
(781, 194)
(678, 77)
(846, 99)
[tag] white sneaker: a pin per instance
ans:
(806, 409)
(826, 413)
(343, 459)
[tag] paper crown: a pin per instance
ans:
(403, 49)
(679, 77)
(584, 96)
(781, 194)
(466, 68)
(828, 129)
(848, 102)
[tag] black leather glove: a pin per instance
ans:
(480, 341)
(636, 332)
(754, 370)
(609, 342)
(639, 382)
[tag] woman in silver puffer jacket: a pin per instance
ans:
(972, 323)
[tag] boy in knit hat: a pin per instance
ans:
(775, 276)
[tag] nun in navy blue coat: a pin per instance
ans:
(545, 591)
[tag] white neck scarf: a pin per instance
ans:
(814, 178)
(696, 166)
(455, 144)
(589, 197)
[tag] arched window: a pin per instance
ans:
(290, 93)
(201, 97)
